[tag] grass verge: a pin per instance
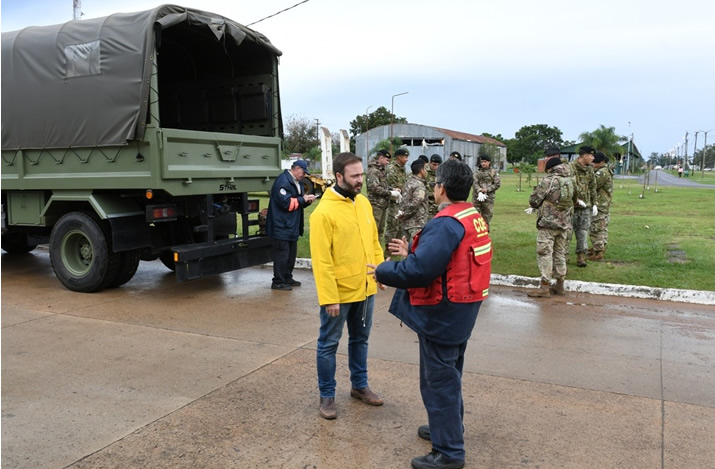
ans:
(642, 233)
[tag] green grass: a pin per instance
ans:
(639, 235)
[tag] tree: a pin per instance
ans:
(380, 116)
(604, 139)
(530, 141)
(301, 135)
(386, 145)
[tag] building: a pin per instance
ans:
(629, 156)
(426, 140)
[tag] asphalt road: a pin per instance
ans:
(666, 179)
(220, 373)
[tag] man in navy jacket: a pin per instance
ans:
(284, 223)
(440, 286)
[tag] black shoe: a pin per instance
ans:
(437, 460)
(280, 286)
(293, 283)
(424, 433)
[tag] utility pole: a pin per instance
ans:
(392, 114)
(76, 9)
(695, 148)
(686, 151)
(367, 128)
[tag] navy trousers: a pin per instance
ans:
(441, 387)
(284, 254)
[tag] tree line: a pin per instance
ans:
(527, 145)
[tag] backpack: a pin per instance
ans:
(566, 190)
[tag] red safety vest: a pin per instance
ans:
(469, 270)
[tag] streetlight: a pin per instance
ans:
(367, 128)
(392, 114)
(705, 148)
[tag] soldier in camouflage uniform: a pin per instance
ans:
(379, 192)
(414, 210)
(554, 199)
(585, 207)
(486, 183)
(604, 194)
(434, 162)
(396, 178)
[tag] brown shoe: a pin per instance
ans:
(558, 287)
(581, 261)
(596, 256)
(366, 395)
(542, 292)
(327, 408)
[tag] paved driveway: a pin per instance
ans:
(220, 373)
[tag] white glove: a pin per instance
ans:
(529, 211)
(394, 194)
(399, 199)
(581, 203)
(594, 210)
(481, 197)
(399, 214)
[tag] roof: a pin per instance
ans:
(470, 137)
(573, 149)
(87, 83)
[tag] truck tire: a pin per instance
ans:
(128, 265)
(307, 185)
(167, 258)
(81, 255)
(15, 242)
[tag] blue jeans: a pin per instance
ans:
(359, 318)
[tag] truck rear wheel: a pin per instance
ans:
(167, 258)
(128, 265)
(15, 242)
(80, 253)
(308, 185)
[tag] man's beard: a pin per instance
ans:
(354, 190)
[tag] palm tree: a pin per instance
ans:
(604, 139)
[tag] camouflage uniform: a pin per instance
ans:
(378, 193)
(488, 181)
(604, 194)
(415, 205)
(553, 223)
(396, 178)
(585, 184)
(429, 182)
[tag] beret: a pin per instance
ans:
(551, 162)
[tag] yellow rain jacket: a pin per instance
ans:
(343, 240)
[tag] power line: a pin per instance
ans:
(275, 14)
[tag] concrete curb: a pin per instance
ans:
(610, 289)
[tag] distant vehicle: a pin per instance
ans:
(658, 167)
(137, 136)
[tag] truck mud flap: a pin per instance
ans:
(194, 261)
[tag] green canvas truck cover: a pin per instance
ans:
(91, 78)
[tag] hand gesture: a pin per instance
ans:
(398, 247)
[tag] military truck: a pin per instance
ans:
(138, 136)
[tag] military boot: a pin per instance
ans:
(558, 287)
(542, 292)
(581, 261)
(596, 256)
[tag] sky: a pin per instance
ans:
(645, 68)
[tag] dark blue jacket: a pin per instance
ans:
(445, 323)
(282, 223)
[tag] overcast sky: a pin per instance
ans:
(477, 66)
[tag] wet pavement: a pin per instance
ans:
(220, 373)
